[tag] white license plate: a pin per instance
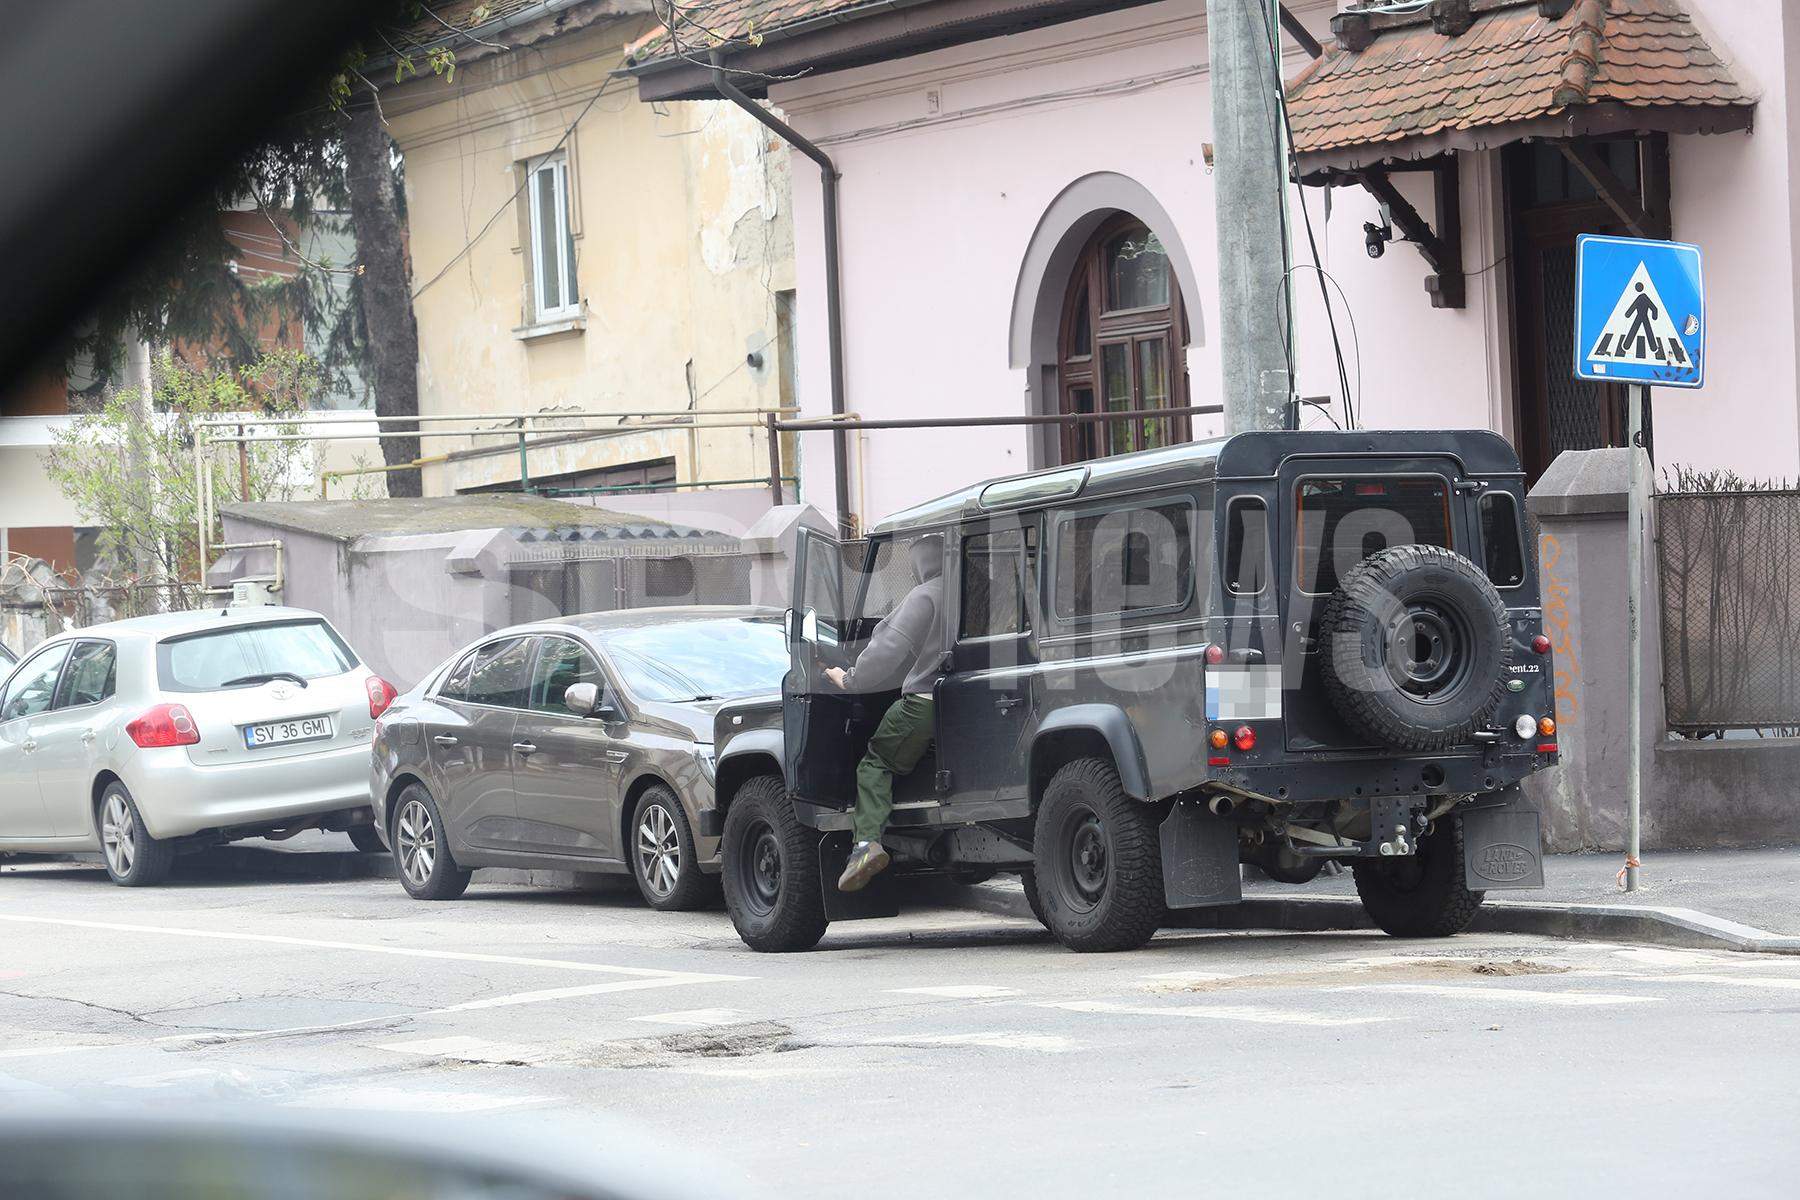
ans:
(306, 729)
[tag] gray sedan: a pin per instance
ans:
(583, 744)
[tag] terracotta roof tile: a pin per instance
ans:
(703, 24)
(1512, 64)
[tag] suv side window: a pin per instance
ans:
(1502, 547)
(90, 676)
(561, 663)
(33, 685)
(995, 583)
(1246, 546)
(502, 676)
(1125, 561)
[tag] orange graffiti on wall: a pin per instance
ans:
(1560, 628)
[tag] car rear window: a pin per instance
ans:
(1341, 521)
(242, 655)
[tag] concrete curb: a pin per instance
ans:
(1683, 928)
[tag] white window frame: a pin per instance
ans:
(565, 257)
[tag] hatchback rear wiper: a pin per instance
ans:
(266, 677)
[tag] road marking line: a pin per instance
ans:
(45, 1051)
(1508, 994)
(400, 1100)
(467, 1049)
(1047, 1043)
(973, 991)
(166, 1078)
(276, 939)
(696, 1016)
(1762, 981)
(570, 993)
(1255, 1014)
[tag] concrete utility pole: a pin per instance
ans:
(1250, 189)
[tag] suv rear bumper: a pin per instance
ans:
(1343, 778)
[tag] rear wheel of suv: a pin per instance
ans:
(133, 857)
(771, 870)
(664, 860)
(1417, 648)
(1098, 876)
(422, 855)
(1423, 894)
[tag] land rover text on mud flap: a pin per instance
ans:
(1277, 648)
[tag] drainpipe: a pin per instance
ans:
(828, 180)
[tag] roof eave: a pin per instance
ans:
(1605, 119)
(857, 37)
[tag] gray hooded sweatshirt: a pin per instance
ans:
(911, 638)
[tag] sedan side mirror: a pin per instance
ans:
(587, 700)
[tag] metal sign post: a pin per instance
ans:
(1640, 319)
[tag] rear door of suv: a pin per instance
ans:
(1334, 514)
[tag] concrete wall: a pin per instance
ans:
(954, 161)
(1735, 792)
(683, 240)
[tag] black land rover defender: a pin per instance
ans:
(1276, 648)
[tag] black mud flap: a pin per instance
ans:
(1503, 843)
(879, 899)
(1199, 858)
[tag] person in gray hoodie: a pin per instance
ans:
(908, 646)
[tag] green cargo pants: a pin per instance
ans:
(895, 749)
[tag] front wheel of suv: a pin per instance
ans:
(1098, 875)
(771, 870)
(1423, 894)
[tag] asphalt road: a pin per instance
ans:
(937, 1055)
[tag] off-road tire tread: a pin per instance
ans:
(1444, 910)
(694, 888)
(1029, 880)
(151, 859)
(1135, 904)
(448, 881)
(799, 920)
(1341, 628)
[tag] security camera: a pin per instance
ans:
(1376, 237)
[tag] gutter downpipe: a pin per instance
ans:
(828, 180)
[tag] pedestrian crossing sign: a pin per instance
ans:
(1640, 312)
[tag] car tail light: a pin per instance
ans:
(1219, 760)
(1219, 739)
(1244, 738)
(164, 725)
(1215, 654)
(1540, 644)
(381, 694)
(1546, 748)
(1547, 727)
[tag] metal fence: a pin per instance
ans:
(1729, 565)
(559, 581)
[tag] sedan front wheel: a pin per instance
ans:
(663, 857)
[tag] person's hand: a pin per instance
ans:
(837, 676)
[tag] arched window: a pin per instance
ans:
(1123, 332)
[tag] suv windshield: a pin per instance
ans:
(243, 656)
(701, 660)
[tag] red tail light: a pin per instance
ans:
(1244, 738)
(1215, 654)
(381, 694)
(1540, 644)
(164, 725)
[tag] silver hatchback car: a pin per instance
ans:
(146, 737)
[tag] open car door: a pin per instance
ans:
(816, 716)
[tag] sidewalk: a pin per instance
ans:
(1759, 888)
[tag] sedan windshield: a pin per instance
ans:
(701, 660)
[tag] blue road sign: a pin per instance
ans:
(1640, 312)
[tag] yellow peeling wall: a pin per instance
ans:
(683, 240)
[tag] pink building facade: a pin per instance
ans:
(978, 168)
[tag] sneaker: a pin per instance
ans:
(867, 861)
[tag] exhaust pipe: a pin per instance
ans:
(1221, 806)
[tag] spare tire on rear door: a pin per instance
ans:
(1416, 648)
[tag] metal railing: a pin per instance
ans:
(1729, 574)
